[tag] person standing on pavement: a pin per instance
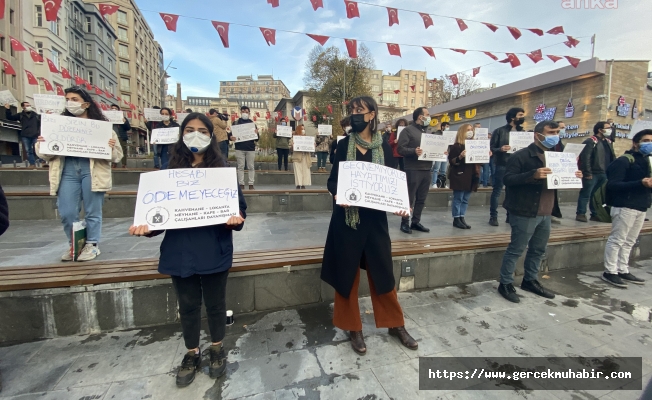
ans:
(122, 130)
(358, 238)
(245, 152)
(302, 162)
(499, 148)
(485, 169)
(393, 143)
(439, 167)
(530, 204)
(150, 125)
(30, 128)
(464, 177)
(166, 122)
(323, 146)
(282, 149)
(198, 259)
(598, 153)
(612, 133)
(418, 172)
(80, 180)
(219, 125)
(629, 180)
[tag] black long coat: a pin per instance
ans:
(462, 176)
(348, 249)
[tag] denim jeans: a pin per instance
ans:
(157, 158)
(532, 233)
(224, 148)
(165, 156)
(438, 168)
(283, 158)
(460, 202)
(498, 190)
(485, 174)
(321, 159)
(589, 187)
(75, 187)
(28, 144)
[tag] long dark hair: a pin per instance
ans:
(93, 111)
(371, 105)
(182, 157)
(170, 114)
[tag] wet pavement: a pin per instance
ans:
(298, 354)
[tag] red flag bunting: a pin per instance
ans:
(65, 74)
(557, 30)
(330, 109)
(78, 80)
(351, 9)
(269, 35)
(572, 42)
(318, 38)
(274, 3)
(129, 114)
(554, 58)
(515, 32)
(268, 115)
(430, 51)
(36, 57)
(414, 88)
(170, 21)
(108, 94)
(461, 24)
(476, 71)
(394, 49)
(2, 9)
(573, 61)
(427, 19)
(512, 59)
(454, 79)
(460, 51)
(493, 27)
(47, 85)
(535, 56)
(222, 30)
(60, 91)
(53, 68)
(397, 91)
(51, 9)
(352, 47)
(316, 4)
(536, 31)
(98, 90)
(257, 114)
(493, 57)
(107, 9)
(89, 87)
(314, 118)
(31, 79)
(393, 16)
(9, 70)
(16, 45)
(132, 106)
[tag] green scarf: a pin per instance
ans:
(377, 157)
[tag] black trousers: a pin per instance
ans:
(189, 294)
(283, 156)
(418, 187)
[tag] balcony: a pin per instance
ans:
(77, 55)
(75, 24)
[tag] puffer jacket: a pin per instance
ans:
(219, 129)
(101, 180)
(323, 144)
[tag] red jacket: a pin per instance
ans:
(393, 144)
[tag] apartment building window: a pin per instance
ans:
(412, 102)
(111, 88)
(89, 52)
(404, 100)
(422, 78)
(122, 34)
(406, 76)
(420, 88)
(55, 26)
(111, 63)
(100, 57)
(127, 97)
(55, 57)
(90, 77)
(13, 80)
(405, 87)
(88, 24)
(100, 30)
(102, 83)
(123, 51)
(124, 84)
(2, 44)
(122, 18)
(39, 48)
(38, 16)
(11, 17)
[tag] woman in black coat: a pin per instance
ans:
(463, 177)
(359, 238)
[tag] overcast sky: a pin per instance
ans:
(202, 62)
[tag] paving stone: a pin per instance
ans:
(437, 313)
(401, 381)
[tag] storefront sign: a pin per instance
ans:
(624, 127)
(635, 111)
(623, 108)
(545, 114)
(457, 117)
(572, 127)
(570, 109)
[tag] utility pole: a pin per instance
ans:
(593, 46)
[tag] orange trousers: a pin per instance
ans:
(387, 311)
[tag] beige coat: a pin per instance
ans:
(302, 163)
(101, 180)
(219, 129)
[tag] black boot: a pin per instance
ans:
(217, 367)
(536, 288)
(457, 222)
(493, 221)
(464, 222)
(188, 368)
(405, 226)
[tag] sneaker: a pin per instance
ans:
(581, 218)
(614, 280)
(217, 366)
(536, 288)
(508, 292)
(594, 218)
(631, 278)
(188, 368)
(89, 252)
(493, 221)
(67, 256)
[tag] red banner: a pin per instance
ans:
(47, 85)
(557, 30)
(36, 57)
(222, 30)
(393, 16)
(269, 35)
(170, 21)
(318, 38)
(515, 32)
(476, 71)
(536, 31)
(316, 4)
(107, 9)
(535, 56)
(493, 27)
(16, 45)
(430, 51)
(60, 91)
(493, 57)
(65, 74)
(51, 9)
(460, 51)
(351, 9)
(352, 47)
(31, 79)
(461, 24)
(53, 68)
(454, 79)
(427, 20)
(394, 49)
(9, 70)
(274, 3)
(554, 58)
(574, 61)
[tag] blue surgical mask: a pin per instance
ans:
(646, 148)
(550, 141)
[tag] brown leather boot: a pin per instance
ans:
(357, 342)
(251, 187)
(241, 187)
(405, 338)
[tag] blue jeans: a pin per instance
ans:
(321, 159)
(28, 144)
(157, 158)
(165, 157)
(224, 148)
(532, 233)
(460, 202)
(438, 168)
(485, 174)
(75, 187)
(498, 190)
(589, 187)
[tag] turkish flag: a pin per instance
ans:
(60, 91)
(223, 30)
(454, 79)
(351, 9)
(535, 56)
(461, 24)
(16, 45)
(538, 32)
(476, 71)
(275, 118)
(9, 70)
(78, 80)
(47, 85)
(574, 61)
(126, 102)
(53, 68)
(89, 87)
(64, 73)
(352, 47)
(269, 35)
(460, 51)
(557, 30)
(316, 4)
(132, 106)
(394, 49)
(31, 79)
(330, 109)
(170, 21)
(257, 114)
(268, 115)
(118, 98)
(493, 27)
(572, 42)
(36, 57)
(554, 58)
(512, 60)
(51, 9)
(515, 32)
(318, 38)
(393, 16)
(274, 3)
(427, 19)
(108, 94)
(98, 90)
(414, 88)
(493, 57)
(2, 9)
(397, 91)
(104, 106)
(430, 51)
(129, 114)
(107, 9)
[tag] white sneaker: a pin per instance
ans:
(67, 256)
(89, 252)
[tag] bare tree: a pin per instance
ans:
(444, 90)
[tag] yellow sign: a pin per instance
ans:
(468, 114)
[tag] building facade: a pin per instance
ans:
(301, 99)
(265, 88)
(11, 25)
(399, 93)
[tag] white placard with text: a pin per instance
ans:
(477, 151)
(153, 114)
(398, 131)
(481, 133)
(49, 103)
(7, 98)
(303, 143)
(244, 132)
(434, 147)
(283, 131)
(563, 166)
(114, 116)
(165, 135)
(520, 140)
(450, 136)
(181, 117)
(76, 137)
(575, 148)
(325, 130)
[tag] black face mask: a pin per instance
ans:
(358, 124)
(519, 121)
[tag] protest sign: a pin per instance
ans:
(520, 140)
(153, 114)
(303, 143)
(325, 130)
(636, 128)
(244, 132)
(575, 148)
(450, 136)
(181, 117)
(7, 98)
(114, 116)
(477, 151)
(481, 133)
(398, 131)
(186, 198)
(434, 147)
(364, 184)
(283, 131)
(76, 137)
(563, 166)
(165, 135)
(340, 138)
(49, 103)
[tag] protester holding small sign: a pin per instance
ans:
(76, 179)
(167, 121)
(30, 127)
(323, 145)
(358, 237)
(245, 151)
(198, 259)
(122, 130)
(282, 148)
(302, 163)
(393, 142)
(464, 178)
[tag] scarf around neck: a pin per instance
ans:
(377, 157)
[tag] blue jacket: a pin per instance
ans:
(624, 185)
(203, 250)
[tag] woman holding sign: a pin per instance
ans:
(358, 237)
(393, 142)
(167, 121)
(302, 163)
(77, 179)
(463, 177)
(199, 259)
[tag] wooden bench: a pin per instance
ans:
(101, 272)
